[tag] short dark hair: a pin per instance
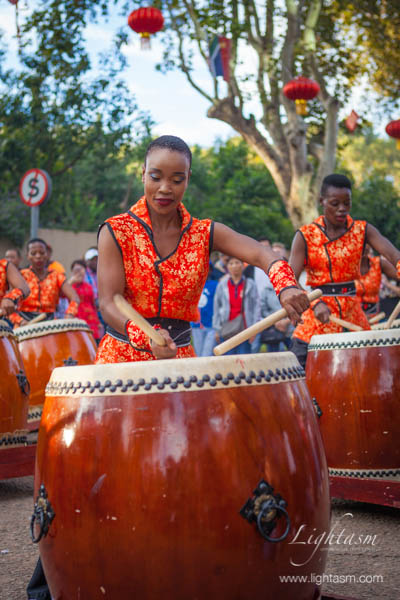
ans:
(78, 261)
(233, 258)
(335, 180)
(170, 142)
(36, 241)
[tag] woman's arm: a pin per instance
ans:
(20, 290)
(383, 246)
(248, 250)
(388, 268)
(73, 298)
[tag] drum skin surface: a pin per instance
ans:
(355, 379)
(147, 465)
(14, 396)
(47, 345)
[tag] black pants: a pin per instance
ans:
(37, 587)
(300, 349)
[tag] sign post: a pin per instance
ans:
(35, 189)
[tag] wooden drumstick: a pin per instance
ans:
(128, 311)
(244, 335)
(36, 319)
(395, 323)
(395, 313)
(377, 318)
(345, 324)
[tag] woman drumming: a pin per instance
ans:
(330, 250)
(10, 277)
(45, 287)
(368, 285)
(157, 256)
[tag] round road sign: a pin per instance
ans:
(35, 187)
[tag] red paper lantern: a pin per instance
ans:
(300, 90)
(393, 129)
(13, 2)
(146, 21)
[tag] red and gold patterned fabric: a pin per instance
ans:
(281, 276)
(157, 287)
(328, 261)
(368, 285)
(44, 294)
(398, 269)
(3, 277)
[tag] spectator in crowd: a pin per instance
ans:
(14, 256)
(202, 330)
(87, 308)
(277, 337)
(91, 257)
(280, 249)
(236, 295)
(220, 266)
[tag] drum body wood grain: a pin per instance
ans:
(355, 379)
(47, 345)
(148, 465)
(14, 390)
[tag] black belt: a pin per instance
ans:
(179, 330)
(348, 288)
(370, 308)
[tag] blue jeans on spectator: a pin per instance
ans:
(243, 348)
(203, 340)
(255, 346)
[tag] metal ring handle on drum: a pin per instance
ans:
(42, 512)
(265, 508)
(37, 539)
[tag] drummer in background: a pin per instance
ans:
(157, 256)
(368, 285)
(330, 250)
(13, 287)
(45, 287)
(13, 255)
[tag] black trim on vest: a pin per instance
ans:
(110, 229)
(305, 243)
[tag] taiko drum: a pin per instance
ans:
(180, 479)
(47, 345)
(355, 379)
(14, 392)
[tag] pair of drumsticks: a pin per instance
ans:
(128, 310)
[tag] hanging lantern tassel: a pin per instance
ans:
(393, 129)
(146, 21)
(300, 90)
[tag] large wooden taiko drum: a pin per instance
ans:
(14, 391)
(355, 379)
(181, 479)
(49, 344)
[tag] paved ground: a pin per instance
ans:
(374, 557)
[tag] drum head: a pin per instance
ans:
(355, 339)
(48, 327)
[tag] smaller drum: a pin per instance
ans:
(355, 379)
(49, 344)
(14, 397)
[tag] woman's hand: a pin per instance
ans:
(295, 302)
(322, 312)
(167, 351)
(7, 307)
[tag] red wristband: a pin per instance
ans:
(72, 309)
(281, 276)
(137, 339)
(398, 269)
(15, 295)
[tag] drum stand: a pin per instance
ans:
(374, 491)
(19, 461)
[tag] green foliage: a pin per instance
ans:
(230, 185)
